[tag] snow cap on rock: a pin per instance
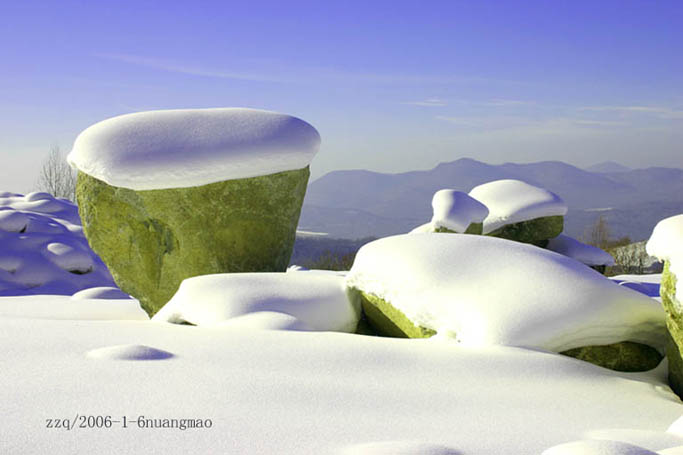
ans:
(513, 201)
(484, 290)
(586, 254)
(456, 210)
(192, 147)
(666, 244)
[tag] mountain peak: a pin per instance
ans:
(608, 167)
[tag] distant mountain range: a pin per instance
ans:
(358, 203)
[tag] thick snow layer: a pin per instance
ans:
(511, 201)
(43, 249)
(586, 254)
(318, 301)
(303, 393)
(192, 147)
(484, 290)
(666, 244)
(456, 210)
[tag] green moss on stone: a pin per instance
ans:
(624, 356)
(674, 323)
(536, 231)
(473, 228)
(388, 321)
(152, 240)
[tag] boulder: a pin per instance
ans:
(625, 356)
(455, 211)
(521, 212)
(666, 244)
(152, 240)
(168, 195)
(480, 290)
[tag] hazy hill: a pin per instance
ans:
(360, 203)
(608, 166)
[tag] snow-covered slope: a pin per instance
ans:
(193, 147)
(43, 249)
(483, 290)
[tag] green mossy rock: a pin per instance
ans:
(473, 228)
(674, 322)
(625, 356)
(152, 240)
(536, 232)
(385, 320)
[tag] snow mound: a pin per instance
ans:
(398, 448)
(456, 210)
(43, 249)
(597, 447)
(129, 352)
(586, 254)
(192, 147)
(486, 290)
(666, 244)
(101, 292)
(512, 201)
(65, 307)
(318, 301)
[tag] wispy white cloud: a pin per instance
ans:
(536, 125)
(172, 67)
(281, 72)
(658, 111)
(429, 102)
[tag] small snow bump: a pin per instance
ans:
(129, 352)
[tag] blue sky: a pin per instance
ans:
(391, 86)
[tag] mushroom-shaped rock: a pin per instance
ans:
(455, 211)
(666, 244)
(482, 290)
(590, 255)
(167, 195)
(520, 211)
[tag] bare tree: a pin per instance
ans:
(598, 234)
(56, 176)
